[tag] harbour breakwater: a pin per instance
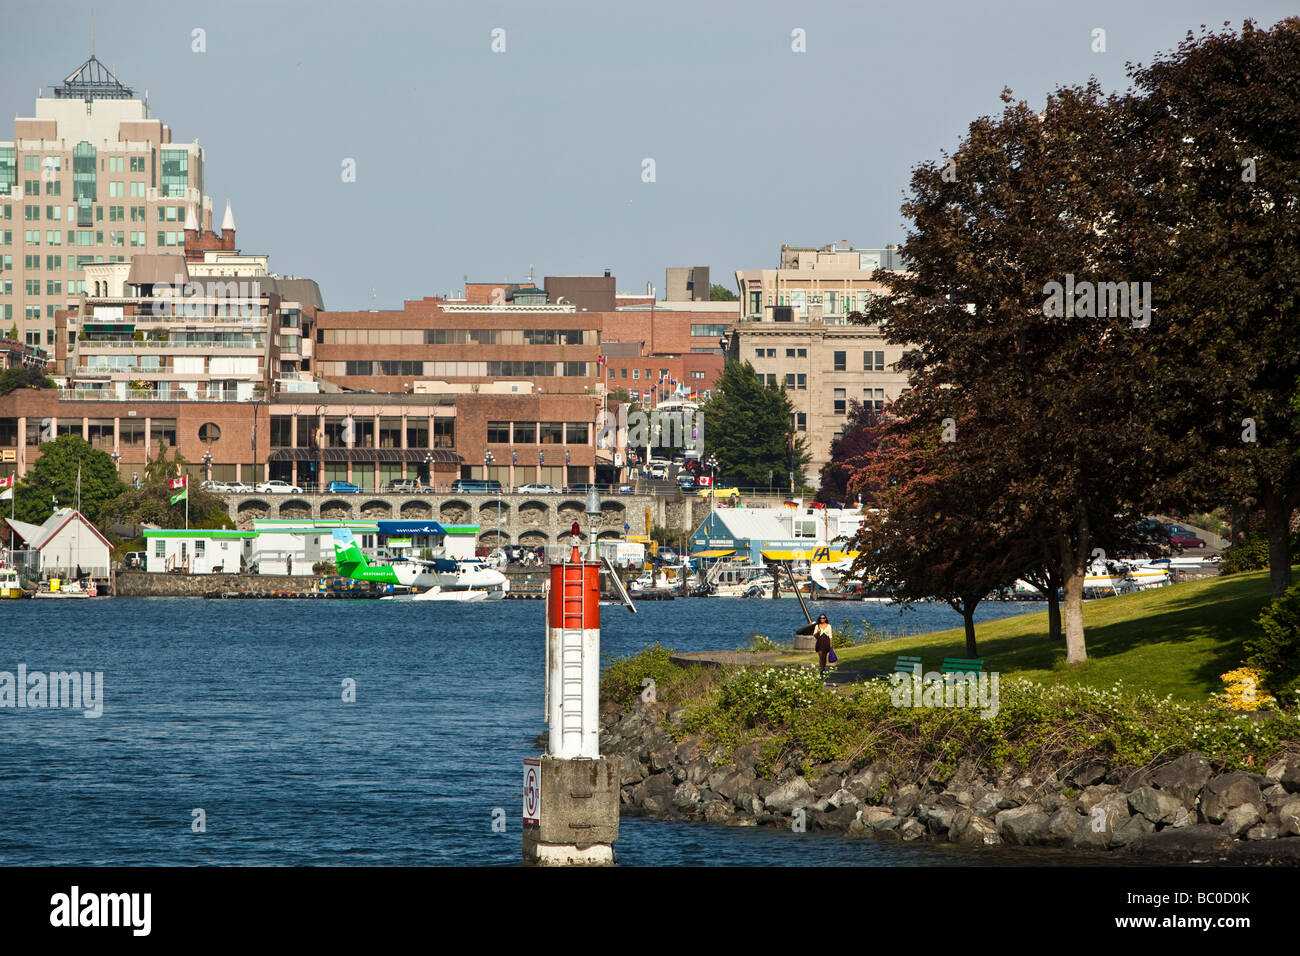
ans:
(1179, 811)
(145, 584)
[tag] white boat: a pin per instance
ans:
(737, 579)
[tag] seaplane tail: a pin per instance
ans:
(353, 564)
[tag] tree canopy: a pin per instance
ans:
(748, 427)
(720, 293)
(23, 376)
(54, 476)
(151, 502)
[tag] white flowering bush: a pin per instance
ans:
(771, 695)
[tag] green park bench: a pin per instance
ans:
(957, 665)
(907, 665)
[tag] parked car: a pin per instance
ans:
(624, 489)
(1186, 539)
(731, 494)
(136, 559)
(477, 485)
(342, 488)
(668, 555)
(686, 481)
(404, 484)
(277, 487)
(238, 487)
(582, 489)
(538, 489)
(216, 487)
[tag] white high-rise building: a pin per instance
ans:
(92, 177)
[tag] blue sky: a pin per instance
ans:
(480, 164)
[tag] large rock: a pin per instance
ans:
(1230, 790)
(686, 798)
(733, 783)
(1240, 819)
(698, 771)
(1289, 819)
(719, 811)
(1132, 829)
(1285, 770)
(991, 803)
(1184, 778)
(787, 796)
(1262, 831)
(1089, 774)
(1062, 825)
(1025, 826)
(1103, 820)
(1201, 842)
(1156, 806)
(843, 798)
(1094, 795)
(906, 799)
(974, 830)
(827, 785)
(868, 784)
(655, 794)
(911, 829)
(838, 821)
(939, 814)
(873, 815)
(630, 770)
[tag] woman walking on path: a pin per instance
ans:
(822, 631)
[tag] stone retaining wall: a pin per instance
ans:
(144, 584)
(1174, 812)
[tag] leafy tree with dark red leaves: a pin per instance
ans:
(848, 453)
(1048, 407)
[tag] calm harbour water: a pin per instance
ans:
(236, 707)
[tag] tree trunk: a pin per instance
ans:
(968, 617)
(1277, 521)
(1053, 611)
(1074, 565)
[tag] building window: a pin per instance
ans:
(160, 548)
(622, 373)
(789, 379)
(575, 433)
(498, 433)
(802, 380)
(801, 421)
(551, 433)
(709, 330)
(636, 373)
(175, 173)
(873, 361)
(525, 433)
(841, 361)
(789, 353)
(841, 400)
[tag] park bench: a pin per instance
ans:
(907, 665)
(957, 665)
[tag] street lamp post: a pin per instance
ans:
(207, 464)
(428, 468)
(593, 513)
(712, 462)
(488, 460)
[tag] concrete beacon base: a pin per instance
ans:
(577, 813)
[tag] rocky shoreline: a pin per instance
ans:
(1178, 811)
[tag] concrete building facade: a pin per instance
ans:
(795, 330)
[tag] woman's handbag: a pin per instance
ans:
(831, 658)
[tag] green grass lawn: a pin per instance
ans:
(1174, 640)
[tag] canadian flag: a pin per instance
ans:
(705, 481)
(7, 482)
(176, 484)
